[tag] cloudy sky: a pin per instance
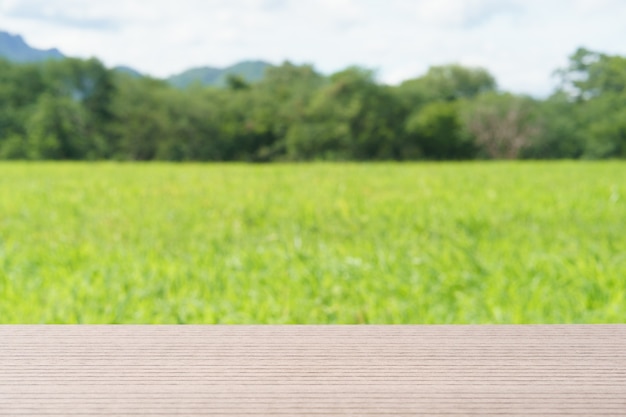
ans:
(520, 41)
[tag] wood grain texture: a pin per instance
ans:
(313, 370)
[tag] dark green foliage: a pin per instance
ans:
(353, 117)
(56, 110)
(592, 74)
(79, 109)
(236, 82)
(560, 130)
(606, 134)
(57, 129)
(447, 83)
(436, 131)
(596, 85)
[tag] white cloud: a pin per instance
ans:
(521, 42)
(454, 13)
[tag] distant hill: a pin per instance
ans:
(128, 71)
(251, 71)
(202, 75)
(13, 48)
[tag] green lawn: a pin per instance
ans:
(316, 243)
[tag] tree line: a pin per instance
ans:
(76, 109)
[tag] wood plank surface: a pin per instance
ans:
(313, 370)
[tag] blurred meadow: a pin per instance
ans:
(474, 242)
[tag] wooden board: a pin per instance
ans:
(313, 370)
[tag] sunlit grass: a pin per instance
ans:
(319, 243)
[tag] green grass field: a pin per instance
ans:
(318, 243)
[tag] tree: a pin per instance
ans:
(447, 83)
(89, 83)
(56, 129)
(79, 109)
(432, 124)
(359, 118)
(502, 125)
(142, 118)
(592, 74)
(606, 132)
(562, 130)
(236, 82)
(20, 87)
(281, 100)
(596, 84)
(436, 132)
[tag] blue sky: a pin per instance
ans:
(521, 42)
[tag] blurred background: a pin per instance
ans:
(376, 97)
(340, 79)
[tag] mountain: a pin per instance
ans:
(202, 75)
(251, 71)
(13, 48)
(123, 69)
